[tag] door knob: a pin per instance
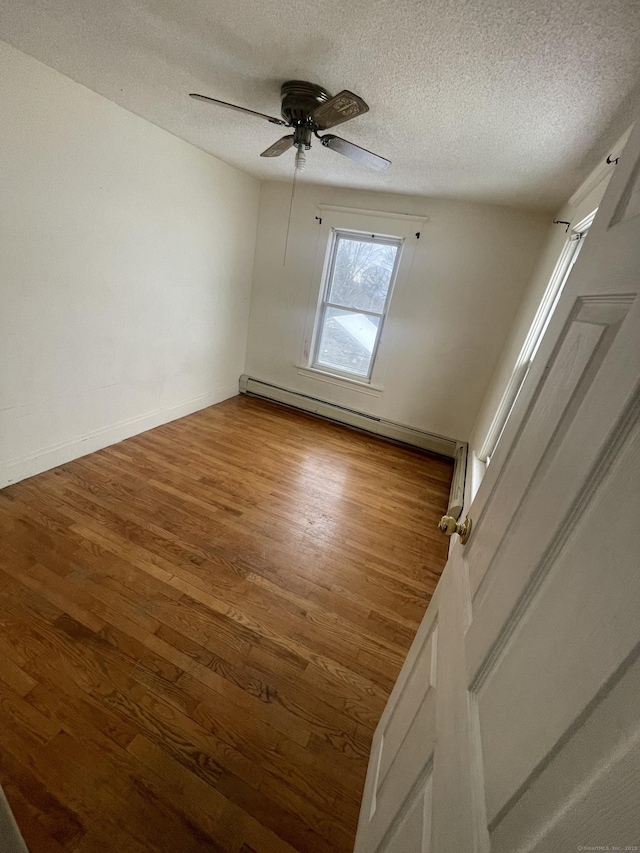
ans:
(448, 525)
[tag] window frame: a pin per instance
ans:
(568, 256)
(324, 303)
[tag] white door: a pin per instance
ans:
(515, 722)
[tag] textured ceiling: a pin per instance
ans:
(496, 100)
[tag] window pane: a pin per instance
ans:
(362, 274)
(347, 340)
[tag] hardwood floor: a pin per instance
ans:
(199, 628)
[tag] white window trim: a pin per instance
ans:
(398, 226)
(529, 349)
(325, 303)
(363, 211)
(345, 381)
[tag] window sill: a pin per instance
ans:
(341, 381)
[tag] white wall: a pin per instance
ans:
(471, 266)
(556, 238)
(125, 271)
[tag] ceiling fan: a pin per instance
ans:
(307, 109)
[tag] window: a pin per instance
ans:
(543, 316)
(361, 271)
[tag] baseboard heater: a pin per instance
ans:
(456, 450)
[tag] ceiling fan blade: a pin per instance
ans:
(354, 152)
(342, 107)
(279, 147)
(234, 107)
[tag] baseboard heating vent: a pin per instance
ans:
(456, 495)
(456, 450)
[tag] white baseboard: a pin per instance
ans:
(457, 450)
(14, 470)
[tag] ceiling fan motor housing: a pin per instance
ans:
(299, 99)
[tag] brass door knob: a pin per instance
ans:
(448, 525)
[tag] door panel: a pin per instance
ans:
(583, 343)
(574, 609)
(568, 469)
(412, 828)
(413, 703)
(398, 787)
(587, 795)
(408, 766)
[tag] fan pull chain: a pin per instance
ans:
(286, 242)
